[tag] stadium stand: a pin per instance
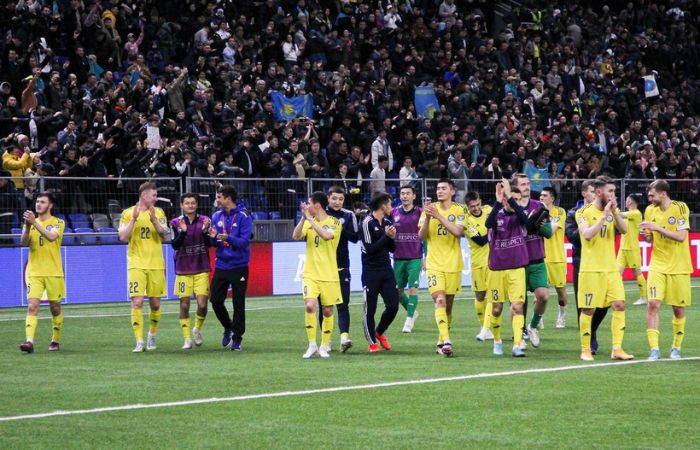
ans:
(97, 96)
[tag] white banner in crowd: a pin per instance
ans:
(288, 265)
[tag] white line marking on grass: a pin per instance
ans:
(358, 387)
(262, 308)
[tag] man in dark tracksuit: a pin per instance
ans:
(377, 234)
(572, 234)
(230, 232)
(336, 199)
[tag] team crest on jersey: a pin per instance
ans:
(671, 220)
(451, 217)
(328, 227)
(52, 228)
(396, 218)
(220, 223)
(609, 218)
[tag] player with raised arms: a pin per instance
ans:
(192, 266)
(43, 233)
(320, 277)
(600, 283)
(144, 227)
(441, 226)
(507, 260)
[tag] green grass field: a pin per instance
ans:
(649, 405)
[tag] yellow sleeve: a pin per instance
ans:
(126, 218)
(648, 212)
(61, 229)
(683, 217)
(14, 164)
(421, 219)
(305, 228)
(160, 215)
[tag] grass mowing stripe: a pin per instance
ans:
(329, 390)
(262, 308)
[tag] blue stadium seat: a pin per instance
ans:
(86, 239)
(275, 215)
(108, 239)
(259, 216)
(298, 216)
(68, 240)
(16, 240)
(62, 217)
(79, 220)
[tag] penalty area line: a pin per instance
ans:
(358, 387)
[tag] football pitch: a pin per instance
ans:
(95, 393)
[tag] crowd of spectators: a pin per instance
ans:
(110, 88)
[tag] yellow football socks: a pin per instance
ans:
(154, 320)
(30, 327)
(642, 283)
(618, 328)
(326, 330)
(137, 323)
(185, 327)
(199, 321)
(678, 331)
(488, 313)
(653, 338)
(480, 307)
(449, 320)
(518, 323)
(442, 324)
(496, 327)
(584, 330)
(310, 323)
(57, 322)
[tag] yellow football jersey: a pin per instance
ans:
(44, 255)
(145, 244)
(669, 256)
(630, 241)
(321, 262)
(554, 246)
(476, 226)
(597, 254)
(444, 252)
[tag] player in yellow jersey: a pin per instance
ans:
(666, 223)
(477, 233)
(554, 253)
(600, 283)
(43, 233)
(321, 280)
(629, 254)
(144, 227)
(442, 225)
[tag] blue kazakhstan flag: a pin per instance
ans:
(539, 178)
(426, 102)
(288, 108)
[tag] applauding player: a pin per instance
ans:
(322, 234)
(507, 260)
(442, 225)
(43, 235)
(144, 227)
(192, 266)
(408, 256)
(378, 234)
(600, 283)
(666, 223)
